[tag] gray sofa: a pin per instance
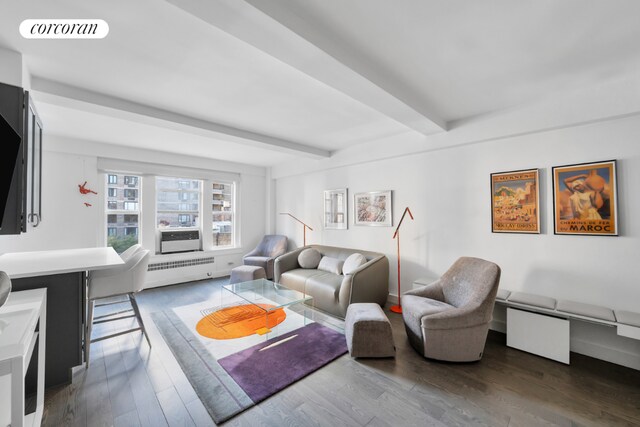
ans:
(331, 292)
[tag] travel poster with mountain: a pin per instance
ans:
(515, 202)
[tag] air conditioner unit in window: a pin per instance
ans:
(172, 241)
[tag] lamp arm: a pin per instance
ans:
(402, 219)
(287, 213)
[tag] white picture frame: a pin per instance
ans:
(373, 208)
(336, 209)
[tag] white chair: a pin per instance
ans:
(126, 280)
(130, 251)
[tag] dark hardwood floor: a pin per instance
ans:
(128, 384)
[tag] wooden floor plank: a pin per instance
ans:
(507, 388)
(174, 410)
(130, 419)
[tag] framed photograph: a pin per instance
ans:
(515, 202)
(373, 208)
(585, 199)
(335, 209)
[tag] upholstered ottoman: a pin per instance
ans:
(246, 273)
(368, 331)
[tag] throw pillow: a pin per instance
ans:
(331, 265)
(353, 262)
(309, 258)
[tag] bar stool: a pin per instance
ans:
(125, 280)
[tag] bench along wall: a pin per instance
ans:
(449, 194)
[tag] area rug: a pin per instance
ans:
(229, 385)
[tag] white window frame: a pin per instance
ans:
(235, 235)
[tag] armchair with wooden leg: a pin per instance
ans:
(126, 280)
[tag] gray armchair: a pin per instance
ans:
(449, 319)
(271, 247)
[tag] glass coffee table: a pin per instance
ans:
(268, 299)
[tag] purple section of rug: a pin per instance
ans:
(263, 373)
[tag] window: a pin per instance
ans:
(223, 207)
(130, 193)
(177, 202)
(123, 218)
(130, 219)
(131, 181)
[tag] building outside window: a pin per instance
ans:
(130, 206)
(130, 193)
(172, 211)
(130, 181)
(123, 211)
(223, 207)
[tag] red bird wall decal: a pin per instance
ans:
(83, 190)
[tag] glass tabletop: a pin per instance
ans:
(266, 294)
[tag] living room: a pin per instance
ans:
(270, 112)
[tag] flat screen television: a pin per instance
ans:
(9, 149)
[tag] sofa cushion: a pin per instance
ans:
(324, 288)
(353, 262)
(532, 299)
(331, 265)
(309, 258)
(414, 308)
(297, 279)
(588, 310)
(503, 294)
(628, 318)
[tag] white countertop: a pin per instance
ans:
(44, 263)
(18, 318)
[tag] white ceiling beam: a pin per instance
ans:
(76, 98)
(290, 43)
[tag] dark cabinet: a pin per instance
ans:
(20, 161)
(33, 200)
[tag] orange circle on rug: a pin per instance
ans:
(239, 321)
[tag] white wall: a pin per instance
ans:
(448, 192)
(68, 223)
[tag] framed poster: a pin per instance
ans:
(515, 202)
(585, 199)
(372, 208)
(335, 209)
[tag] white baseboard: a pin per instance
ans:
(392, 299)
(184, 279)
(498, 326)
(608, 354)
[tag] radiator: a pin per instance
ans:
(168, 265)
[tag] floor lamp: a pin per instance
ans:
(396, 235)
(304, 227)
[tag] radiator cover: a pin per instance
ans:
(172, 241)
